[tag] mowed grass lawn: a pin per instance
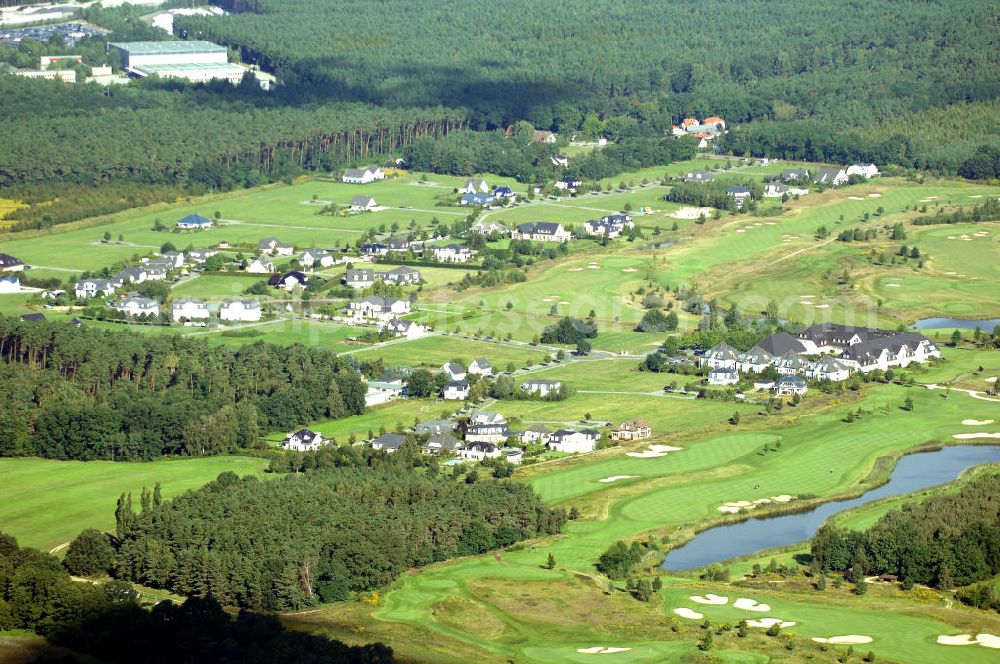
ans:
(46, 503)
(434, 351)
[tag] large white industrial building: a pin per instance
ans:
(137, 54)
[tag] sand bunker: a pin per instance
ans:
(770, 223)
(846, 640)
(629, 269)
(988, 640)
(685, 612)
(975, 195)
(976, 423)
(654, 451)
(750, 605)
(856, 198)
(991, 379)
(593, 267)
(967, 436)
(957, 640)
(575, 269)
(615, 478)
(692, 212)
(892, 286)
(734, 506)
(822, 306)
(563, 302)
(709, 598)
(600, 650)
(874, 195)
(952, 237)
(783, 498)
(741, 230)
(767, 622)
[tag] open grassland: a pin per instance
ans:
(46, 503)
(434, 351)
(400, 412)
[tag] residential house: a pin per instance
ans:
(489, 228)
(136, 305)
(504, 192)
(188, 308)
(365, 175)
(303, 440)
(754, 360)
(487, 417)
(157, 269)
(574, 442)
(399, 244)
(790, 385)
(830, 177)
(363, 204)
(699, 176)
(780, 343)
(720, 377)
(637, 429)
(536, 433)
(559, 160)
(452, 253)
(374, 249)
(827, 368)
(359, 278)
(542, 136)
(93, 288)
(512, 454)
(440, 443)
(401, 275)
(477, 199)
(864, 170)
(887, 352)
(130, 275)
(487, 433)
(795, 175)
(480, 367)
(10, 264)
(720, 356)
(260, 265)
(290, 280)
(239, 310)
(453, 370)
(201, 255)
(569, 184)
(542, 231)
(377, 307)
(404, 328)
(610, 226)
(434, 427)
(388, 442)
(791, 364)
(740, 194)
(715, 121)
(194, 222)
(688, 122)
(275, 246)
(316, 258)
(10, 285)
(542, 388)
(456, 390)
(776, 190)
(677, 131)
(478, 451)
(174, 258)
(383, 391)
(474, 185)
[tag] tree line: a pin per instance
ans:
(298, 540)
(108, 622)
(948, 540)
(75, 393)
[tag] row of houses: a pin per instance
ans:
(610, 226)
(841, 349)
(830, 177)
(235, 310)
(365, 277)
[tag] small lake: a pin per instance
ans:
(913, 473)
(962, 323)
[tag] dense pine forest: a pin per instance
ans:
(100, 394)
(106, 621)
(946, 541)
(291, 542)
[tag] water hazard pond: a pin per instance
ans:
(913, 473)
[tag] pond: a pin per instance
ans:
(962, 323)
(913, 473)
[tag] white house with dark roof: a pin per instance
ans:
(699, 176)
(363, 204)
(455, 390)
(831, 177)
(202, 255)
(93, 288)
(721, 377)
(316, 258)
(489, 228)
(542, 388)
(289, 281)
(10, 264)
(866, 171)
(544, 136)
(487, 433)
(388, 442)
(542, 231)
(188, 308)
(401, 275)
(260, 265)
(610, 226)
(487, 417)
(569, 184)
(174, 258)
(240, 310)
(720, 356)
(359, 278)
(473, 185)
(275, 246)
(478, 451)
(574, 442)
(135, 274)
(481, 367)
(827, 368)
(376, 307)
(383, 391)
(404, 328)
(452, 253)
(441, 443)
(453, 370)
(12, 284)
(365, 175)
(303, 440)
(194, 222)
(754, 360)
(790, 385)
(740, 195)
(536, 433)
(136, 305)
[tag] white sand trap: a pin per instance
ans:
(563, 302)
(846, 640)
(741, 230)
(629, 269)
(956, 640)
(967, 239)
(874, 195)
(806, 297)
(951, 273)
(770, 223)
(892, 285)
(729, 509)
(783, 498)
(975, 195)
(654, 451)
(976, 423)
(575, 269)
(952, 237)
(822, 306)
(685, 612)
(739, 503)
(762, 501)
(751, 605)
(988, 640)
(856, 198)
(991, 379)
(615, 478)
(967, 436)
(933, 198)
(981, 234)
(692, 212)
(600, 650)
(767, 622)
(806, 303)
(709, 598)
(593, 267)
